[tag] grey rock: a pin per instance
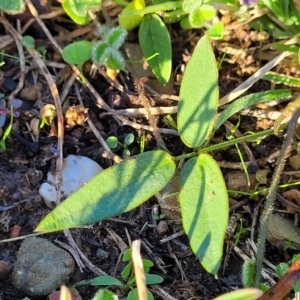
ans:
(284, 230)
(101, 254)
(41, 267)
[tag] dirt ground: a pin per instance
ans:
(27, 160)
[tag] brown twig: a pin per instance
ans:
(14, 34)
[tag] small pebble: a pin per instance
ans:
(162, 227)
(5, 269)
(16, 196)
(15, 232)
(101, 254)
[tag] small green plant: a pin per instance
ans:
(113, 143)
(15, 104)
(159, 217)
(241, 230)
(202, 187)
(128, 275)
(102, 52)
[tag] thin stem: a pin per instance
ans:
(272, 195)
(226, 144)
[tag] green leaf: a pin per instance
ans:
(101, 53)
(125, 153)
(216, 31)
(77, 52)
(115, 190)
(297, 287)
(133, 295)
(101, 280)
(126, 271)
(153, 279)
(106, 280)
(198, 96)
(105, 295)
(264, 287)
(282, 79)
(198, 16)
(12, 6)
(116, 60)
(242, 294)
(281, 269)
(28, 41)
(189, 5)
(204, 207)
(116, 37)
(248, 101)
(77, 18)
(129, 139)
(248, 273)
(77, 10)
(112, 142)
(127, 255)
(154, 38)
(147, 263)
(130, 22)
(295, 258)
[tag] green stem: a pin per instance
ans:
(171, 5)
(13, 57)
(264, 220)
(236, 141)
(226, 144)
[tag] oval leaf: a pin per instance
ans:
(12, 6)
(204, 207)
(78, 52)
(153, 279)
(198, 97)
(133, 295)
(106, 280)
(129, 22)
(115, 190)
(154, 38)
(78, 18)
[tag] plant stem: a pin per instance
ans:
(226, 144)
(171, 5)
(272, 195)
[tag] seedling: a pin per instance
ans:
(7, 131)
(103, 52)
(47, 114)
(159, 217)
(113, 143)
(127, 274)
(15, 104)
(240, 232)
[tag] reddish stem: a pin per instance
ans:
(284, 284)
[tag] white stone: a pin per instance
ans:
(77, 171)
(49, 194)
